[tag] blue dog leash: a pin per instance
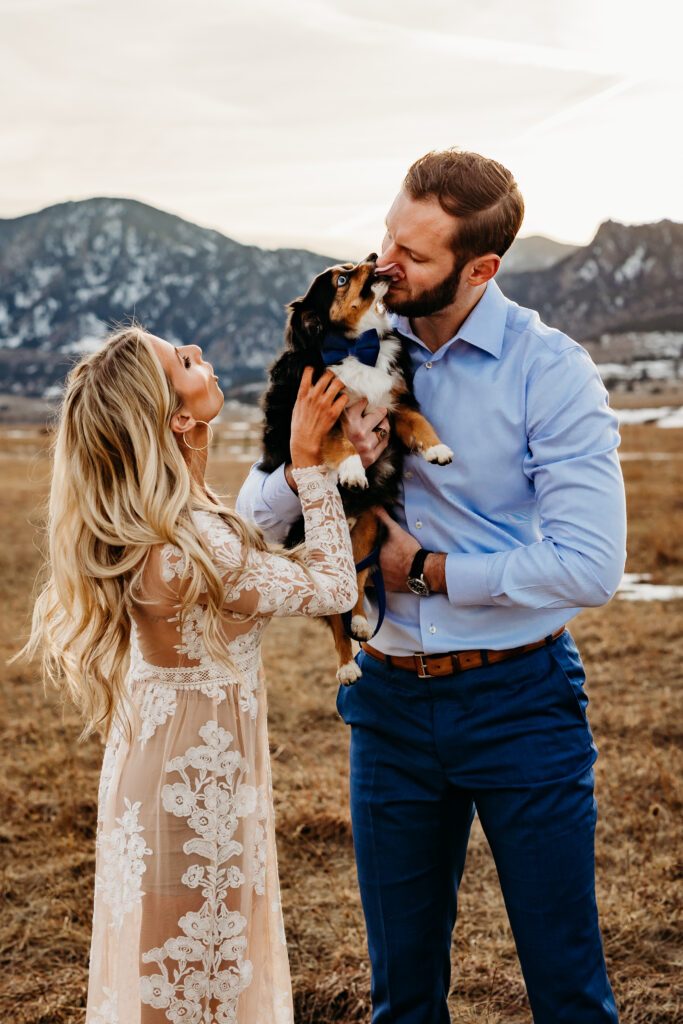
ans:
(371, 560)
(365, 348)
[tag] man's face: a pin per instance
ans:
(419, 240)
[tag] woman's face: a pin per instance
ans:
(192, 378)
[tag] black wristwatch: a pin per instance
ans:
(416, 581)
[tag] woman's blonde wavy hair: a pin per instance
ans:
(120, 485)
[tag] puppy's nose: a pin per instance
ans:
(372, 258)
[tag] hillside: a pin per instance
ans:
(71, 270)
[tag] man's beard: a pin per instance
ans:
(432, 300)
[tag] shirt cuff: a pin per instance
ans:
(279, 496)
(466, 579)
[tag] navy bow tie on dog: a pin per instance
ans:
(337, 347)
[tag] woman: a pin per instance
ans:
(153, 616)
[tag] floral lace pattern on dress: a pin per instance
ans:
(193, 808)
(214, 797)
(107, 1012)
(122, 853)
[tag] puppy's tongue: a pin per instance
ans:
(391, 271)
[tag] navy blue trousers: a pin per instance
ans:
(512, 742)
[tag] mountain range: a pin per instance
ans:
(70, 271)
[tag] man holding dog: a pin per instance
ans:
(471, 696)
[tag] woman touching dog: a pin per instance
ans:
(151, 620)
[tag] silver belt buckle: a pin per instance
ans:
(422, 672)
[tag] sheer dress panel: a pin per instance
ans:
(187, 921)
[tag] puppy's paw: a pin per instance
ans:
(439, 453)
(361, 628)
(352, 474)
(348, 674)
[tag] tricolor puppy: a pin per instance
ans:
(341, 323)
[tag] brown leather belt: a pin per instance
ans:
(427, 665)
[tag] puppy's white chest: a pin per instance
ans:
(375, 383)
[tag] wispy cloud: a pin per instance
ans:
(579, 109)
(295, 122)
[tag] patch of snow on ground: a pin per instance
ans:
(662, 343)
(629, 416)
(641, 369)
(239, 425)
(675, 419)
(634, 587)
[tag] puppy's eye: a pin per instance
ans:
(341, 280)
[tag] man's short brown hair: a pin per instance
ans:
(480, 192)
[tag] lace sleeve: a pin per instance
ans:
(272, 584)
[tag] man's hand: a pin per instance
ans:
(396, 557)
(361, 431)
(396, 554)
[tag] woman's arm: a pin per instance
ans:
(267, 583)
(273, 584)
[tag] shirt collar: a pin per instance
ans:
(484, 327)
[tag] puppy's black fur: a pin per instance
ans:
(308, 323)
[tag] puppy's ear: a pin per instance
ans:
(311, 323)
(302, 321)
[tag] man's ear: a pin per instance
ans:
(483, 269)
(181, 422)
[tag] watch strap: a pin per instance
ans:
(418, 564)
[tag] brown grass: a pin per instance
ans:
(48, 790)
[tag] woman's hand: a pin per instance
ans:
(317, 409)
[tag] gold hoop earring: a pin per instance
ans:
(204, 447)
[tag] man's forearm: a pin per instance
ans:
(289, 477)
(435, 572)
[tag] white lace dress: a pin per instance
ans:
(187, 923)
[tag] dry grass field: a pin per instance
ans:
(48, 787)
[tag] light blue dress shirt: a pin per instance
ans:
(531, 511)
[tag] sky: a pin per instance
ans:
(292, 123)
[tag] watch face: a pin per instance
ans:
(418, 586)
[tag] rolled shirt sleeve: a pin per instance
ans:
(574, 469)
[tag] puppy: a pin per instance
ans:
(340, 322)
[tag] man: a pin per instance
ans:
(485, 561)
